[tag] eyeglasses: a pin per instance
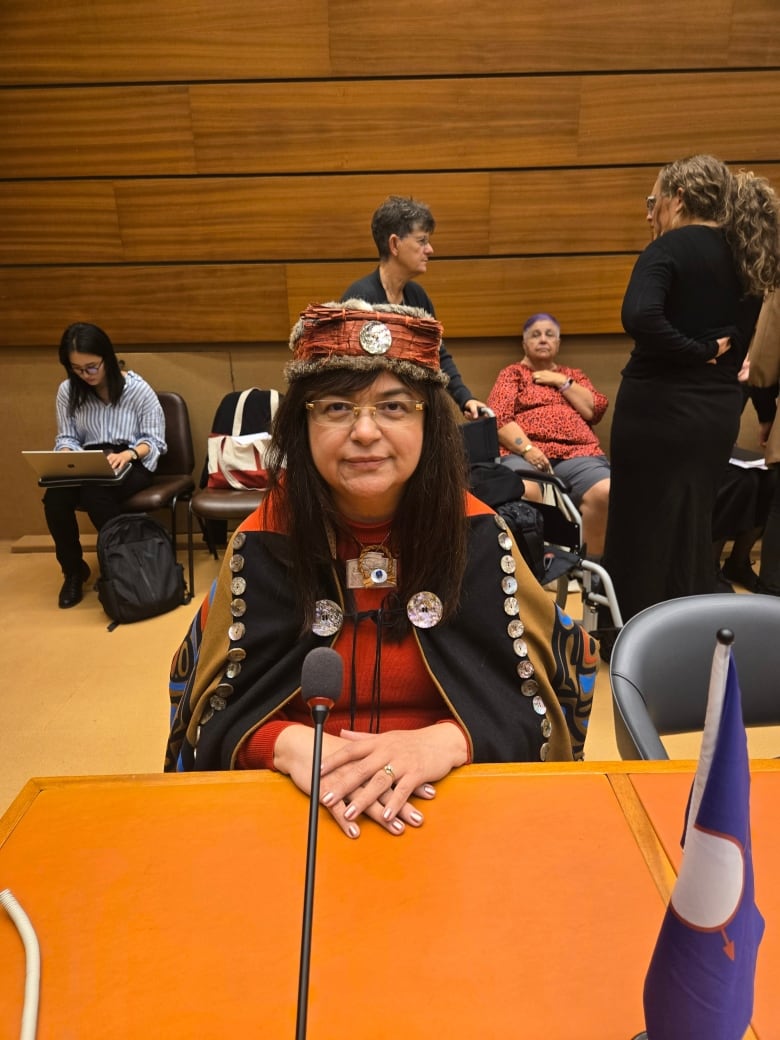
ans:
(345, 413)
(87, 370)
(650, 203)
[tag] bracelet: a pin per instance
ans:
(526, 449)
(565, 386)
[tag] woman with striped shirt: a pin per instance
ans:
(99, 406)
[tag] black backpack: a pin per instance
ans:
(139, 575)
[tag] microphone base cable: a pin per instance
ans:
(32, 979)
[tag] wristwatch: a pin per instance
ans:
(135, 454)
(526, 449)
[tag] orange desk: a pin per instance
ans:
(170, 907)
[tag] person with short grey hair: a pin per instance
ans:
(402, 229)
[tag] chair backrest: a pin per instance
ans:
(180, 457)
(662, 659)
(480, 439)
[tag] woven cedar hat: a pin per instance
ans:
(361, 336)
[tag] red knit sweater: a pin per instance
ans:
(409, 697)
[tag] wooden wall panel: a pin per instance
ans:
(734, 115)
(131, 41)
(599, 210)
(205, 303)
(196, 40)
(207, 219)
(532, 37)
(755, 34)
(364, 126)
(485, 298)
(250, 303)
(97, 132)
(52, 222)
(290, 218)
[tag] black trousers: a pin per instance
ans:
(769, 570)
(101, 502)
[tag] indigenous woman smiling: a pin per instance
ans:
(369, 542)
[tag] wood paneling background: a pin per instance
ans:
(191, 175)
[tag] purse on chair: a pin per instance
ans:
(237, 460)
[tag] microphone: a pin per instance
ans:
(321, 678)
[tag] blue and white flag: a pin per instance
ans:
(700, 982)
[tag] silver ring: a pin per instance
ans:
(389, 770)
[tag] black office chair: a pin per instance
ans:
(662, 659)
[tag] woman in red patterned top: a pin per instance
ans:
(546, 413)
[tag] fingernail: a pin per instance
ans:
(397, 826)
(350, 812)
(428, 789)
(415, 817)
(353, 830)
(387, 814)
(327, 798)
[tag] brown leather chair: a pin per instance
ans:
(223, 504)
(172, 481)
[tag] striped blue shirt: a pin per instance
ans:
(137, 417)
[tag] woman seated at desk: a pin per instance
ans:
(369, 542)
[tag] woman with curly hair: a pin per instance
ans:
(691, 307)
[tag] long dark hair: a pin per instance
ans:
(83, 338)
(430, 529)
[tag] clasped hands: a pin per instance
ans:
(354, 781)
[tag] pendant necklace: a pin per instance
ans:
(374, 568)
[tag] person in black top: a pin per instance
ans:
(691, 306)
(402, 229)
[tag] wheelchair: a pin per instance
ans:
(565, 558)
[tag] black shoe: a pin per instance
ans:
(764, 590)
(742, 573)
(72, 588)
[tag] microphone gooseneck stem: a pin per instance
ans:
(319, 715)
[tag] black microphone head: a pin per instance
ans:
(321, 675)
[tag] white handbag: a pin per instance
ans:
(238, 460)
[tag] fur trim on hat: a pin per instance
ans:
(409, 368)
